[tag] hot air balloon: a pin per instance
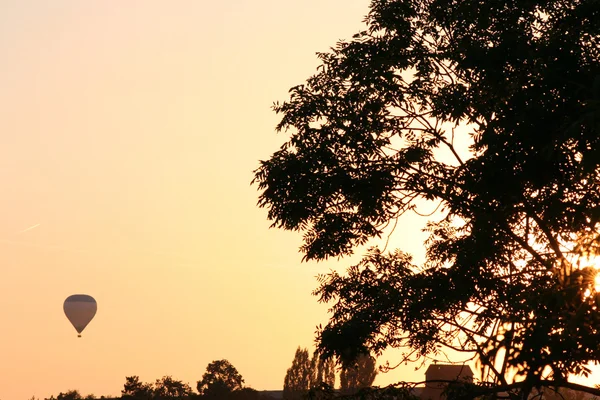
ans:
(80, 309)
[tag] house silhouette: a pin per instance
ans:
(443, 372)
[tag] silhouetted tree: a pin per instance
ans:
(134, 389)
(69, 395)
(220, 379)
(323, 371)
(169, 388)
(306, 373)
(489, 112)
(361, 374)
(299, 376)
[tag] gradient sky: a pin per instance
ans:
(129, 133)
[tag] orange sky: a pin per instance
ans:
(129, 133)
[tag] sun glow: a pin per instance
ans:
(595, 263)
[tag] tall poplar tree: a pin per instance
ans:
(358, 375)
(299, 376)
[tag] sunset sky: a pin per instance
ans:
(129, 134)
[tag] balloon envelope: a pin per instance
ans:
(80, 309)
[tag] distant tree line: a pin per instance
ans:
(308, 378)
(222, 381)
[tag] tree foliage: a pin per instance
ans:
(361, 374)
(299, 376)
(169, 388)
(374, 134)
(134, 389)
(323, 371)
(220, 379)
(564, 394)
(70, 395)
(163, 388)
(399, 391)
(307, 373)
